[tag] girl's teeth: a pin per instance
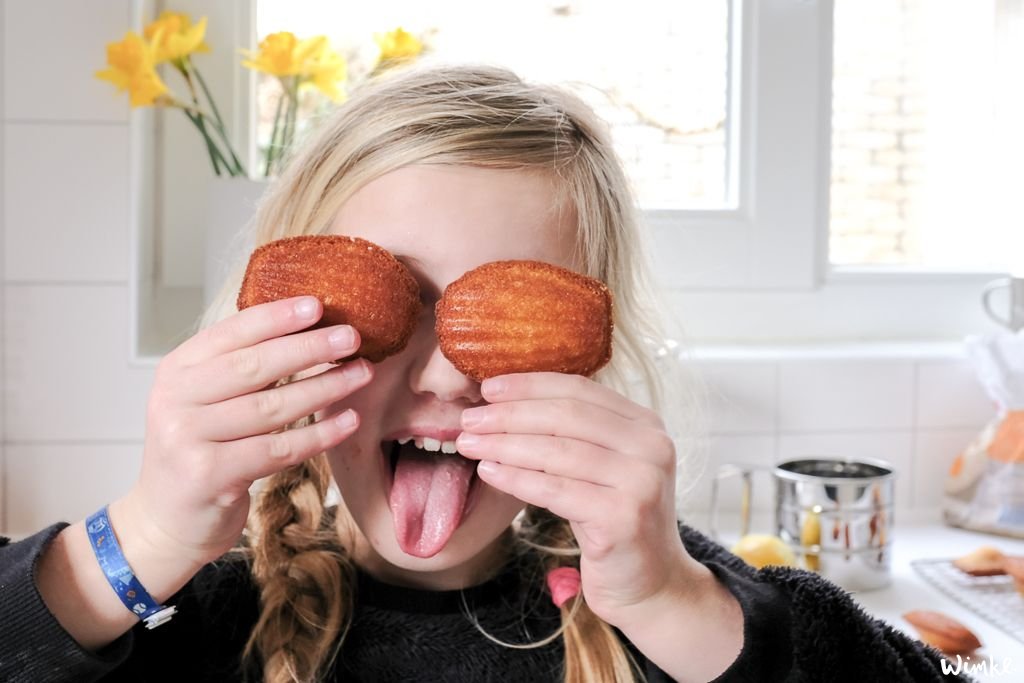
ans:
(405, 440)
(431, 445)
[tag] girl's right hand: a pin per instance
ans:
(214, 422)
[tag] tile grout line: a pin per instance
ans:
(776, 414)
(855, 431)
(62, 122)
(3, 285)
(74, 442)
(66, 283)
(914, 396)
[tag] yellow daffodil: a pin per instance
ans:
(327, 74)
(311, 61)
(282, 54)
(132, 68)
(173, 36)
(398, 46)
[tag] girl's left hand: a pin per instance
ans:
(601, 461)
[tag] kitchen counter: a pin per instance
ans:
(921, 534)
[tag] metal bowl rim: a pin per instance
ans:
(890, 471)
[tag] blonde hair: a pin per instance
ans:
(480, 116)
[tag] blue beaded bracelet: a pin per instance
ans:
(120, 575)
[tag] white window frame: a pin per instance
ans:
(767, 240)
(759, 272)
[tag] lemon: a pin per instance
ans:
(759, 550)
(810, 534)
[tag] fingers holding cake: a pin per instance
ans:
(261, 365)
(525, 316)
(500, 318)
(359, 284)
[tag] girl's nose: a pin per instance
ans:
(434, 374)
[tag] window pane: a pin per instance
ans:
(926, 141)
(656, 71)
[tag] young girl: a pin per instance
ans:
(545, 549)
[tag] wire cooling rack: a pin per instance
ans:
(994, 598)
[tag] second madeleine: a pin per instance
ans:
(525, 316)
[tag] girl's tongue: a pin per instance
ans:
(428, 498)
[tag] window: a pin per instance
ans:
(926, 141)
(763, 274)
(673, 141)
(741, 238)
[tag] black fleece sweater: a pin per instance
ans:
(797, 627)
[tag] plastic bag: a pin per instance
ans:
(985, 486)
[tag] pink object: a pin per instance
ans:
(428, 499)
(564, 583)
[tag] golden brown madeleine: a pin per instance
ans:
(525, 316)
(359, 283)
(943, 632)
(983, 561)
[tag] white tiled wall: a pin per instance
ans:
(53, 47)
(916, 413)
(73, 404)
(67, 186)
(67, 481)
(857, 395)
(76, 402)
(3, 210)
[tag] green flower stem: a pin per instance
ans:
(200, 122)
(196, 116)
(206, 91)
(215, 156)
(236, 167)
(218, 121)
(200, 119)
(284, 123)
(292, 115)
(274, 133)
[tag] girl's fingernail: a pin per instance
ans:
(342, 338)
(467, 440)
(472, 417)
(493, 386)
(305, 307)
(356, 371)
(487, 467)
(346, 420)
